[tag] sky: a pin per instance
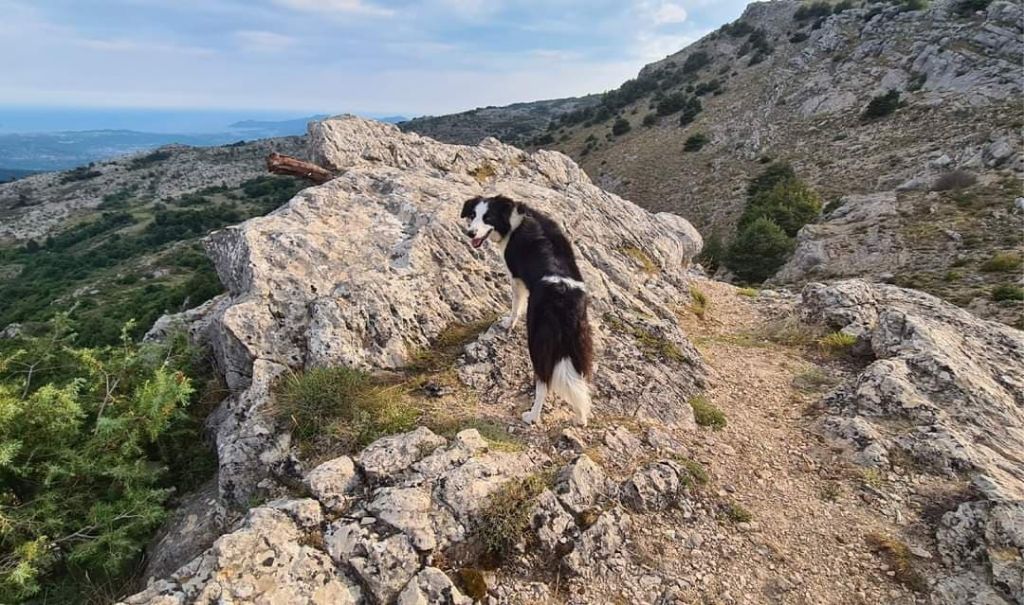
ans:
(404, 57)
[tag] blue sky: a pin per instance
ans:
(381, 56)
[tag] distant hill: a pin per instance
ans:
(12, 174)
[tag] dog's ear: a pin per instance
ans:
(501, 205)
(469, 208)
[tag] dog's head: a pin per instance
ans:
(489, 218)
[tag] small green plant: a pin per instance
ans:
(1007, 292)
(505, 518)
(748, 292)
(953, 275)
(837, 342)
(696, 142)
(699, 302)
(706, 413)
(650, 119)
(697, 475)
(736, 513)
(1003, 262)
(882, 105)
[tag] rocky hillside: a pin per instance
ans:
(857, 443)
(931, 173)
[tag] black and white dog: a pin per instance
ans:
(543, 268)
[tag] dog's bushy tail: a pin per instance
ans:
(572, 386)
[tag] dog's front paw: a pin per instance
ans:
(530, 417)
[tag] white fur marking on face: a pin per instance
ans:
(515, 220)
(479, 230)
(567, 281)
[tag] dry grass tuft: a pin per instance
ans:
(643, 259)
(505, 519)
(837, 343)
(899, 558)
(699, 302)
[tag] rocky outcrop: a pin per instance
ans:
(371, 266)
(944, 393)
(860, 238)
(374, 537)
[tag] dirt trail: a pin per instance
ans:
(805, 541)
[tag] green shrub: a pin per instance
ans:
(672, 103)
(790, 204)
(690, 110)
(650, 119)
(1003, 262)
(342, 405)
(748, 292)
(1007, 292)
(696, 61)
(149, 159)
(882, 105)
(92, 443)
(706, 413)
(621, 127)
(758, 251)
(813, 10)
(913, 5)
(736, 513)
(696, 142)
(711, 255)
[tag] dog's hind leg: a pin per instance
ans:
(538, 404)
(520, 294)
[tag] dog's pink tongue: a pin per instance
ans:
(478, 241)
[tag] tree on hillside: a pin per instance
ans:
(758, 251)
(790, 204)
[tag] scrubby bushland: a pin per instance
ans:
(93, 442)
(759, 250)
(111, 253)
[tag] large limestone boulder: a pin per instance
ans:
(371, 266)
(945, 391)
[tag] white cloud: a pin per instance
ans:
(262, 41)
(354, 7)
(669, 13)
(653, 47)
(126, 45)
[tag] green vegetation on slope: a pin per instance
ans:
(778, 205)
(93, 442)
(136, 261)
